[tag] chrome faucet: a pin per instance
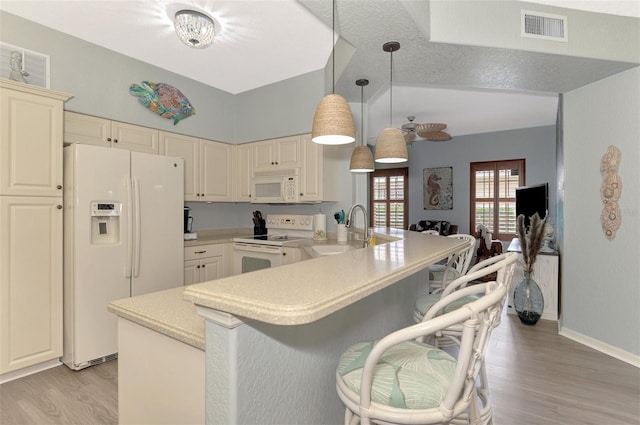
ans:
(349, 223)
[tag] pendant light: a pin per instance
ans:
(333, 121)
(391, 146)
(362, 158)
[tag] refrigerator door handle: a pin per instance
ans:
(128, 188)
(136, 227)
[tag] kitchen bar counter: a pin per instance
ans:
(307, 291)
(165, 312)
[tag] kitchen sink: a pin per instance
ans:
(331, 249)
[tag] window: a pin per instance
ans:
(389, 206)
(493, 195)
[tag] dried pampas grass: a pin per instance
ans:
(531, 239)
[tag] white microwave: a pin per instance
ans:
(276, 187)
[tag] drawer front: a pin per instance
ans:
(203, 251)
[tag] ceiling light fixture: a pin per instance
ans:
(391, 146)
(333, 121)
(361, 157)
(194, 29)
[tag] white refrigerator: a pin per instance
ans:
(123, 236)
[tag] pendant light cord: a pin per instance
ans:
(333, 49)
(390, 87)
(362, 114)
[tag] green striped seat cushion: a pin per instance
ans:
(410, 375)
(436, 273)
(425, 302)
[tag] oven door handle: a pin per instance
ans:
(247, 247)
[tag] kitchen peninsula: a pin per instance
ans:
(273, 337)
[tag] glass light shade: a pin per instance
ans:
(194, 29)
(362, 160)
(391, 146)
(333, 122)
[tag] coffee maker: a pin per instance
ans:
(188, 225)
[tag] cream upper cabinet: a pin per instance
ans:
(216, 160)
(86, 129)
(30, 281)
(282, 153)
(30, 140)
(134, 137)
(312, 170)
(207, 166)
(187, 148)
(243, 172)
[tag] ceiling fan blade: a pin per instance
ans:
(438, 136)
(410, 137)
(430, 128)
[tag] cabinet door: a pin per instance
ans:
(30, 144)
(184, 147)
(311, 178)
(210, 268)
(243, 172)
(288, 152)
(264, 156)
(291, 255)
(30, 281)
(191, 272)
(85, 129)
(215, 171)
(134, 137)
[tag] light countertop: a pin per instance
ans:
(166, 312)
(307, 291)
(294, 294)
(215, 236)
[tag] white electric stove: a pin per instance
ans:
(264, 251)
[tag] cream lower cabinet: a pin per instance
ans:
(207, 166)
(90, 130)
(206, 262)
(30, 281)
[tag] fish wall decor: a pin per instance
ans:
(163, 99)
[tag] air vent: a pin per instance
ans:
(544, 25)
(36, 64)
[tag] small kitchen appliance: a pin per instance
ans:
(262, 251)
(188, 225)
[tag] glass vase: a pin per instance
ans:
(528, 300)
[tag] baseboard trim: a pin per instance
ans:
(603, 347)
(30, 370)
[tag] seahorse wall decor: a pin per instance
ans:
(611, 216)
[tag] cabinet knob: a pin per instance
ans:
(59, 207)
(59, 186)
(197, 267)
(108, 139)
(115, 140)
(284, 253)
(203, 266)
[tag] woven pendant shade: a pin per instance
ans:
(333, 122)
(391, 146)
(362, 160)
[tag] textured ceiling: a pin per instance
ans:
(473, 89)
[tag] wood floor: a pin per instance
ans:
(536, 377)
(62, 396)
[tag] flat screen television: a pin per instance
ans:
(531, 200)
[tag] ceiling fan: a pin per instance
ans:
(428, 131)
